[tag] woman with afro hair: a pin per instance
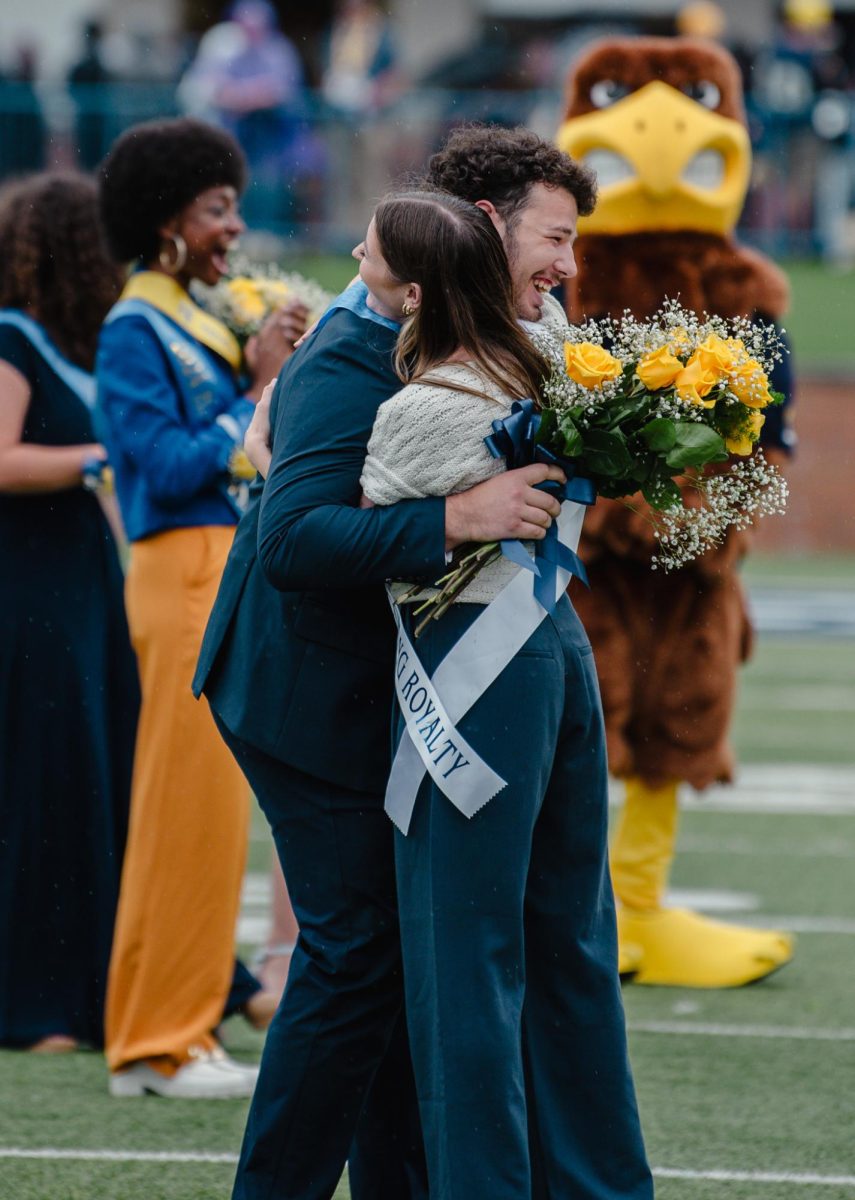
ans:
(174, 408)
(68, 685)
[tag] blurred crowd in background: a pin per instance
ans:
(330, 116)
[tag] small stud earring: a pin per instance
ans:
(408, 309)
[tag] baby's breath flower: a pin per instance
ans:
(750, 489)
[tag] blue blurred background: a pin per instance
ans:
(335, 101)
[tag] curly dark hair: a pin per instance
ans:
(153, 171)
(488, 162)
(55, 259)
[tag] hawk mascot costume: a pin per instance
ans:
(663, 124)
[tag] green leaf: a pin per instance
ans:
(695, 446)
(640, 469)
(606, 453)
(660, 434)
(622, 413)
(616, 489)
(777, 397)
(662, 493)
(548, 427)
(571, 436)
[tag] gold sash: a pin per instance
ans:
(168, 296)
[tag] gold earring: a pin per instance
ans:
(173, 267)
(408, 309)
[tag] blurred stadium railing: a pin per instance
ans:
(316, 174)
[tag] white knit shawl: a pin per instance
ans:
(428, 440)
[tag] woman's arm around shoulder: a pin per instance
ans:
(428, 440)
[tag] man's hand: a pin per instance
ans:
(256, 441)
(506, 506)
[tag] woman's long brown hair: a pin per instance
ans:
(55, 263)
(453, 251)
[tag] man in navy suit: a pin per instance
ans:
(297, 667)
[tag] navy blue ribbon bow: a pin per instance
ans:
(514, 440)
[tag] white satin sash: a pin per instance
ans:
(471, 665)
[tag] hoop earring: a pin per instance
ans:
(172, 268)
(408, 309)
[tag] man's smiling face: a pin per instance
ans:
(539, 244)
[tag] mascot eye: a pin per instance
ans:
(606, 92)
(703, 92)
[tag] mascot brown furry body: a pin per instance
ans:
(663, 123)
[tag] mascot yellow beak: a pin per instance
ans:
(663, 162)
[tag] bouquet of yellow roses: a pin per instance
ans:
(245, 299)
(634, 406)
(641, 404)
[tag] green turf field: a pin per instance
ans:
(745, 1095)
(819, 321)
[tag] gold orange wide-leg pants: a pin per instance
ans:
(173, 948)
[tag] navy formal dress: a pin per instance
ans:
(509, 943)
(297, 666)
(68, 707)
(507, 918)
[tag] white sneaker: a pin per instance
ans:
(210, 1075)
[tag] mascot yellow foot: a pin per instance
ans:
(629, 956)
(673, 947)
(681, 949)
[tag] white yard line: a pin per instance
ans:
(709, 843)
(798, 1178)
(162, 1156)
(800, 1033)
(745, 802)
(152, 1156)
(796, 923)
(795, 788)
(774, 777)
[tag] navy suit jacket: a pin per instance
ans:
(298, 654)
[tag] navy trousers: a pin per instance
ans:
(335, 1081)
(510, 951)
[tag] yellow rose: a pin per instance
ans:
(658, 369)
(695, 382)
(680, 341)
(590, 365)
(750, 384)
(274, 292)
(743, 442)
(716, 356)
(246, 298)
